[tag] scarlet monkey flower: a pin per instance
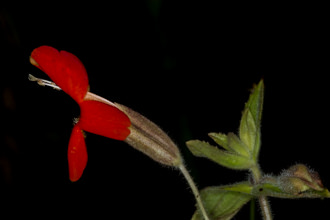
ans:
(100, 116)
(97, 115)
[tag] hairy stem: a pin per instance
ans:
(263, 201)
(194, 190)
(265, 208)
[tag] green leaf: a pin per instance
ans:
(231, 143)
(242, 187)
(249, 129)
(221, 204)
(255, 102)
(237, 145)
(220, 139)
(225, 158)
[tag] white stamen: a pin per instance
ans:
(43, 82)
(88, 96)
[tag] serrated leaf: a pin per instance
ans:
(225, 158)
(255, 102)
(221, 204)
(249, 130)
(220, 139)
(237, 145)
(231, 142)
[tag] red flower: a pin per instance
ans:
(97, 115)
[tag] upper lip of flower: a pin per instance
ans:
(69, 74)
(65, 70)
(98, 115)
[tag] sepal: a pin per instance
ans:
(150, 139)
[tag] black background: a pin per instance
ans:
(186, 65)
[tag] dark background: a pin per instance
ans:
(186, 65)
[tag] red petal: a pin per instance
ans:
(102, 119)
(77, 154)
(64, 68)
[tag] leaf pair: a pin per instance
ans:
(223, 202)
(239, 152)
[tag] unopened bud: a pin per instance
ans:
(296, 182)
(299, 171)
(148, 138)
(299, 178)
(293, 185)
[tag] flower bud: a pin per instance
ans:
(148, 138)
(293, 185)
(296, 182)
(300, 178)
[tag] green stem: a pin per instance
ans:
(194, 189)
(263, 201)
(256, 172)
(252, 209)
(265, 208)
